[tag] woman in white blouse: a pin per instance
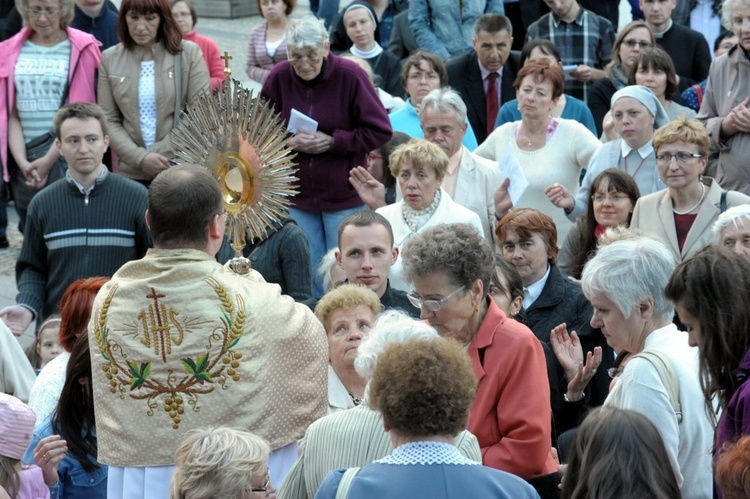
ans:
(420, 166)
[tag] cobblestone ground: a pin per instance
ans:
(8, 256)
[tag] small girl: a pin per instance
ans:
(16, 429)
(47, 344)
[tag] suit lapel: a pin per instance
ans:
(706, 215)
(667, 220)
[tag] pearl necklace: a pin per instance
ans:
(703, 194)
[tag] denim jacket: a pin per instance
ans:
(73, 481)
(446, 27)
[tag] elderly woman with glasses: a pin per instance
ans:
(625, 283)
(682, 214)
(45, 65)
(450, 267)
(345, 121)
(424, 461)
(221, 462)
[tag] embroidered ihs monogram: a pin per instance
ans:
(156, 326)
(185, 377)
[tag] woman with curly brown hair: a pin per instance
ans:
(410, 381)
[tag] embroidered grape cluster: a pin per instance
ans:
(232, 360)
(110, 371)
(173, 405)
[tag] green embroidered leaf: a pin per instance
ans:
(189, 365)
(232, 344)
(204, 376)
(201, 362)
(139, 374)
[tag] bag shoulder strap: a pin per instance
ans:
(177, 86)
(723, 201)
(668, 376)
(346, 483)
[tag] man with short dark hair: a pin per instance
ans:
(583, 38)
(180, 342)
(366, 254)
(484, 76)
(87, 224)
(688, 48)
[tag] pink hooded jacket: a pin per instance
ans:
(84, 61)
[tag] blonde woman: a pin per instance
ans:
(221, 463)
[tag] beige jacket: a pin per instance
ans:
(16, 374)
(653, 215)
(118, 96)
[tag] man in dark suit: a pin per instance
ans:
(484, 76)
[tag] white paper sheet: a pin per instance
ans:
(567, 69)
(299, 122)
(510, 168)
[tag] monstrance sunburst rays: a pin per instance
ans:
(241, 140)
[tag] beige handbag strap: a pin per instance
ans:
(668, 376)
(346, 483)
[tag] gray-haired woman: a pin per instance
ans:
(625, 283)
(732, 230)
(724, 109)
(348, 121)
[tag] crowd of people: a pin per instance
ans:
(517, 265)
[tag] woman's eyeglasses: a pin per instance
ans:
(632, 43)
(431, 305)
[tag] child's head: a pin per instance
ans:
(48, 342)
(16, 429)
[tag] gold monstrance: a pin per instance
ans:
(242, 141)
